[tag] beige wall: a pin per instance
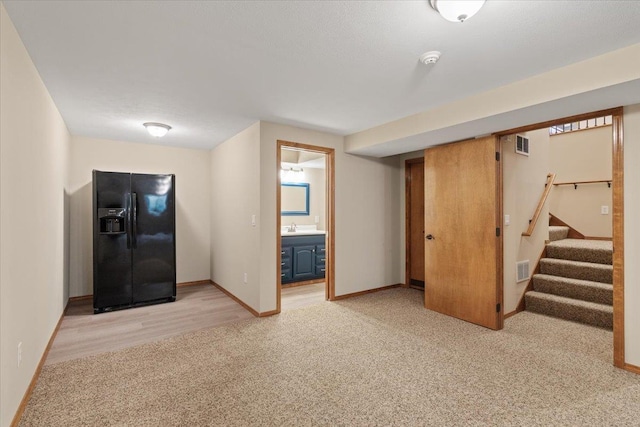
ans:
(235, 197)
(367, 236)
(582, 156)
(631, 233)
(523, 183)
(317, 197)
(34, 153)
(367, 229)
(192, 170)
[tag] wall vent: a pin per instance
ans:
(522, 270)
(522, 145)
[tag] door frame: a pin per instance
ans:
(617, 214)
(330, 290)
(407, 218)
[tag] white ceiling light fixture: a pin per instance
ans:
(157, 129)
(457, 10)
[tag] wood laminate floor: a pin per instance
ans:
(302, 296)
(197, 307)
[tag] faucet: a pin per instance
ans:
(292, 227)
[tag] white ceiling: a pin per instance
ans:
(299, 158)
(210, 69)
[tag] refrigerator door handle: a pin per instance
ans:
(128, 208)
(134, 223)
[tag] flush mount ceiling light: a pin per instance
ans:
(157, 129)
(457, 10)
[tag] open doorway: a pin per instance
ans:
(563, 204)
(414, 223)
(616, 215)
(305, 218)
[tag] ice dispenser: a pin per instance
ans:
(111, 220)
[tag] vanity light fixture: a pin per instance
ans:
(457, 10)
(291, 174)
(157, 129)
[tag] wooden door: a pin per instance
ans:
(463, 253)
(414, 173)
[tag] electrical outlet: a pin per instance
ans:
(604, 210)
(19, 353)
(245, 278)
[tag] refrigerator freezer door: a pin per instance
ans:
(154, 254)
(112, 257)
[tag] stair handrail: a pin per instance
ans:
(543, 198)
(576, 183)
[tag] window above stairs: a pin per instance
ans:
(581, 125)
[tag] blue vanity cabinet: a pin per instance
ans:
(302, 258)
(304, 263)
(286, 264)
(320, 260)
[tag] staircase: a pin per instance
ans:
(575, 280)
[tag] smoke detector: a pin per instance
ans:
(429, 58)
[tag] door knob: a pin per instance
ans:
(430, 237)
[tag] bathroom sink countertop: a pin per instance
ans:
(301, 230)
(302, 233)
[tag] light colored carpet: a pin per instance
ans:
(576, 310)
(379, 359)
(585, 290)
(575, 282)
(596, 251)
(558, 232)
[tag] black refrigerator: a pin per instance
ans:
(134, 240)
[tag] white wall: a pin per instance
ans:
(34, 153)
(582, 156)
(192, 169)
(523, 183)
(631, 233)
(235, 197)
(368, 227)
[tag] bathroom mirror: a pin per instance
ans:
(294, 198)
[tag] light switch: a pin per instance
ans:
(604, 210)
(253, 220)
(507, 220)
(317, 219)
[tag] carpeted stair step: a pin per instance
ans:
(590, 313)
(577, 270)
(558, 232)
(596, 251)
(601, 293)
